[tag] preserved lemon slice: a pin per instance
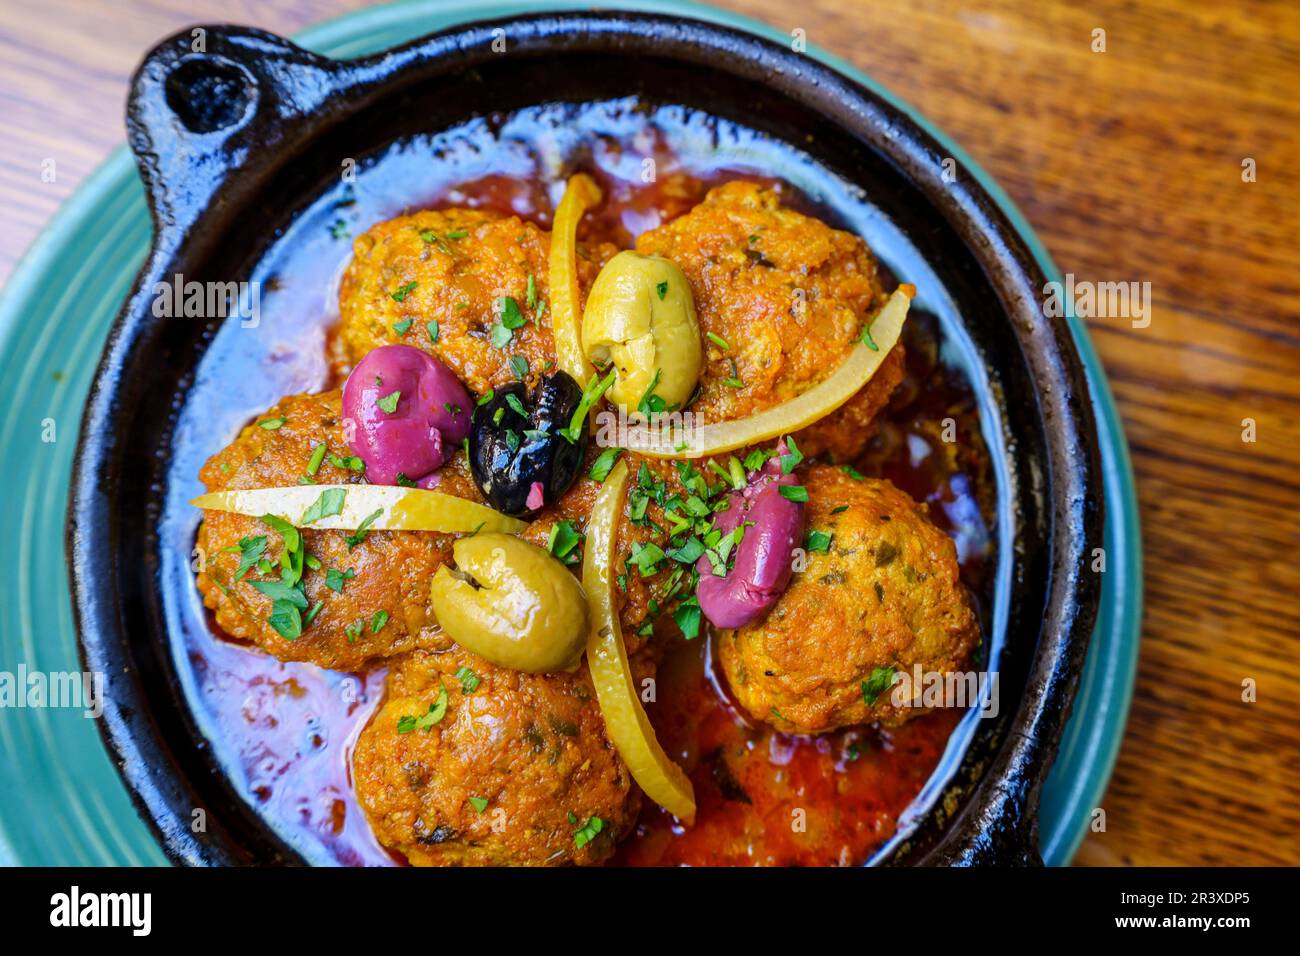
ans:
(799, 412)
(351, 507)
(625, 718)
(580, 194)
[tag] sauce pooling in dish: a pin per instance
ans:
(852, 784)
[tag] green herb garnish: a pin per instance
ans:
(429, 720)
(877, 683)
(317, 457)
(604, 464)
(329, 503)
(818, 541)
(590, 396)
(469, 681)
(401, 293)
(564, 538)
(359, 535)
(335, 579)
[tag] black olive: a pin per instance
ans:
(509, 452)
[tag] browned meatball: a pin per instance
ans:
(884, 596)
(505, 769)
(454, 267)
(390, 570)
(789, 296)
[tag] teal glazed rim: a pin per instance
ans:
(62, 800)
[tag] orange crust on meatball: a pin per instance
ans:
(886, 594)
(454, 267)
(514, 772)
(789, 296)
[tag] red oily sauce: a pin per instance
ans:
(764, 798)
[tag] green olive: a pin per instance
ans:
(640, 316)
(513, 604)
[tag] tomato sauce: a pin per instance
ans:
(765, 798)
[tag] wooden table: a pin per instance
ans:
(1129, 163)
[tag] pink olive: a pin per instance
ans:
(429, 417)
(764, 557)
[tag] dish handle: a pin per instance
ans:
(211, 100)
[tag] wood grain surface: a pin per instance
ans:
(1129, 163)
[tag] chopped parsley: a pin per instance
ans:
(519, 367)
(292, 555)
(719, 341)
(651, 403)
(377, 621)
(426, 722)
(604, 463)
(866, 339)
(389, 402)
(791, 459)
(794, 492)
(757, 458)
(311, 615)
(662, 289)
(587, 832)
(432, 328)
(317, 457)
(818, 541)
(564, 538)
(251, 550)
(335, 579)
(401, 328)
(271, 424)
(877, 683)
(646, 557)
(329, 503)
(590, 396)
(351, 462)
(282, 591)
(469, 681)
(286, 619)
(687, 617)
(359, 535)
(510, 319)
(400, 294)
(478, 803)
(690, 551)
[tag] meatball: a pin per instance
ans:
(390, 570)
(789, 296)
(386, 574)
(467, 763)
(885, 595)
(455, 268)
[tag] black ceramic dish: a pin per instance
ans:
(233, 141)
